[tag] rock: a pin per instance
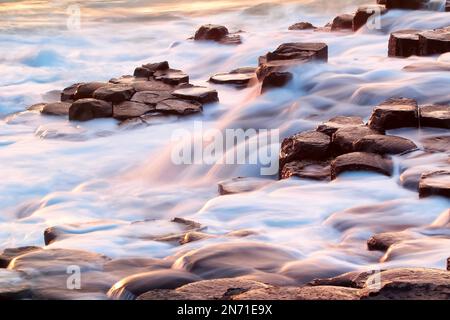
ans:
(194, 236)
(68, 94)
(130, 109)
(211, 32)
(434, 41)
(382, 144)
(299, 293)
(182, 107)
(395, 113)
(276, 79)
(56, 108)
(382, 241)
(305, 145)
(448, 260)
(114, 93)
(361, 161)
(133, 286)
(302, 26)
(241, 184)
(405, 4)
(36, 107)
(332, 125)
(353, 279)
(171, 76)
(404, 43)
(435, 183)
(363, 14)
(342, 22)
(447, 6)
(152, 85)
(126, 80)
(200, 94)
(408, 284)
(189, 223)
(217, 289)
(241, 77)
(307, 169)
(343, 139)
(87, 109)
(151, 98)
(86, 90)
(436, 144)
(435, 116)
(147, 70)
(13, 286)
(10, 253)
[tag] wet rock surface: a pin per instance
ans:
(241, 184)
(437, 116)
(364, 13)
(382, 241)
(332, 125)
(394, 113)
(405, 43)
(241, 77)
(13, 286)
(88, 109)
(216, 33)
(56, 108)
(435, 183)
(129, 109)
(302, 26)
(342, 22)
(307, 169)
(10, 253)
(382, 144)
(361, 161)
(199, 94)
(276, 80)
(405, 4)
(344, 139)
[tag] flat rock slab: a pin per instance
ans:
(332, 125)
(114, 93)
(434, 41)
(86, 90)
(435, 116)
(151, 97)
(181, 107)
(382, 241)
(239, 77)
(404, 43)
(200, 94)
(152, 85)
(130, 109)
(436, 144)
(435, 184)
(56, 108)
(10, 253)
(241, 184)
(302, 26)
(344, 139)
(87, 109)
(382, 144)
(307, 169)
(171, 76)
(395, 113)
(361, 161)
(305, 145)
(217, 289)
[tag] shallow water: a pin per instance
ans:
(56, 173)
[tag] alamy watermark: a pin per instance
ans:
(227, 147)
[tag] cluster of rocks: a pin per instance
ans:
(348, 144)
(154, 89)
(406, 43)
(217, 33)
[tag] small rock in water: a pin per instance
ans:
(332, 125)
(86, 90)
(382, 241)
(241, 184)
(10, 253)
(404, 43)
(302, 26)
(435, 116)
(181, 107)
(307, 169)
(130, 109)
(395, 113)
(361, 161)
(200, 94)
(68, 94)
(435, 184)
(56, 108)
(216, 33)
(343, 139)
(276, 79)
(382, 144)
(342, 22)
(241, 77)
(114, 93)
(87, 109)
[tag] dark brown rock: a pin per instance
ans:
(130, 109)
(181, 107)
(305, 145)
(382, 144)
(87, 109)
(302, 26)
(436, 144)
(114, 93)
(307, 169)
(343, 139)
(435, 116)
(342, 22)
(395, 113)
(147, 70)
(298, 50)
(68, 94)
(404, 43)
(211, 32)
(56, 108)
(151, 97)
(434, 41)
(382, 241)
(241, 77)
(435, 184)
(86, 90)
(200, 94)
(405, 4)
(332, 125)
(152, 85)
(361, 161)
(363, 14)
(10, 253)
(276, 79)
(241, 184)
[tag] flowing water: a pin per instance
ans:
(56, 173)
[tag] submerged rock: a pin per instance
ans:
(382, 144)
(87, 109)
(436, 116)
(13, 285)
(307, 169)
(382, 241)
(332, 125)
(276, 79)
(361, 161)
(302, 26)
(395, 113)
(10, 253)
(241, 184)
(56, 108)
(435, 183)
